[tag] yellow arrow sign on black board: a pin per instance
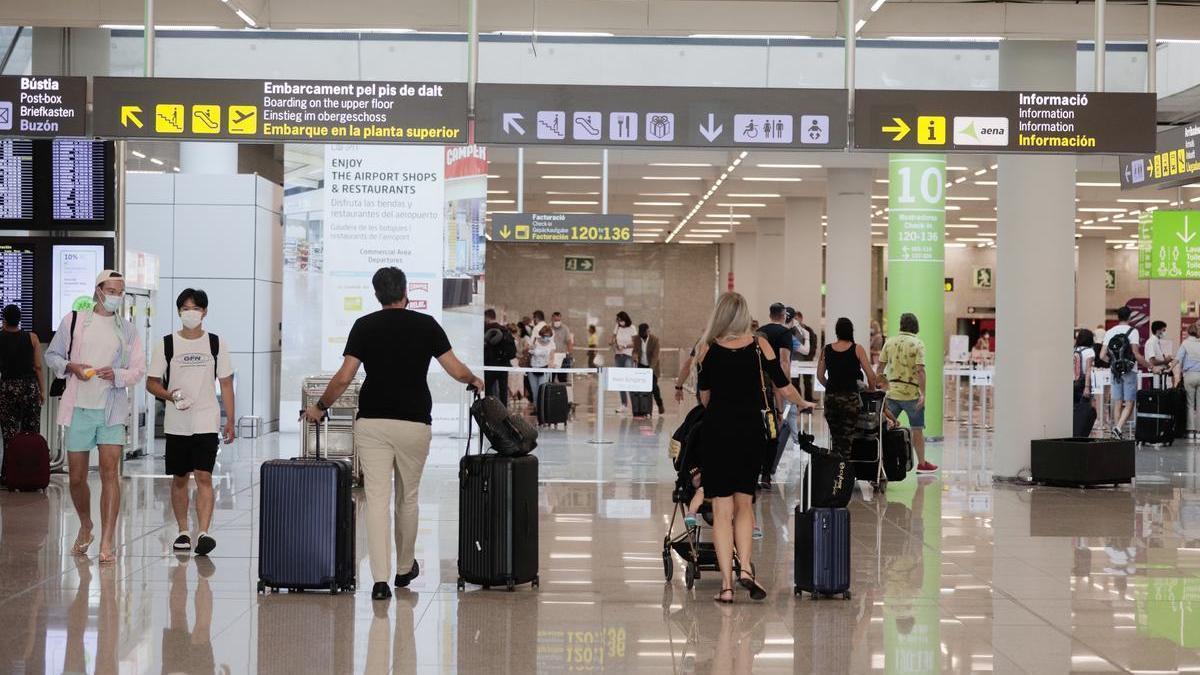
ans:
(900, 128)
(129, 113)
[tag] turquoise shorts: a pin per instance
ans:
(90, 428)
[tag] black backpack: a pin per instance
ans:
(499, 348)
(214, 346)
(1120, 354)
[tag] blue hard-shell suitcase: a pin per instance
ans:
(822, 559)
(307, 525)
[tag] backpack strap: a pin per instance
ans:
(214, 347)
(71, 335)
(168, 354)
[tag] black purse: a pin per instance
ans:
(59, 384)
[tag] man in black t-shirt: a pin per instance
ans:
(499, 349)
(393, 430)
(779, 336)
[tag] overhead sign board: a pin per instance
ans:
(562, 228)
(1169, 245)
(322, 111)
(694, 117)
(37, 106)
(1004, 121)
(1173, 162)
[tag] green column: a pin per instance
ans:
(916, 263)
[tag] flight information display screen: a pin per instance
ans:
(59, 184)
(77, 176)
(18, 285)
(16, 179)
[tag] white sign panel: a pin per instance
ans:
(960, 348)
(981, 377)
(629, 379)
(384, 206)
(75, 269)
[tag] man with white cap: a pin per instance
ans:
(99, 354)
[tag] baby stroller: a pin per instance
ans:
(698, 555)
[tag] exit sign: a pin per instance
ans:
(579, 263)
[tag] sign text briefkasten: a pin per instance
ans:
(43, 106)
(1169, 245)
(338, 111)
(1004, 121)
(562, 228)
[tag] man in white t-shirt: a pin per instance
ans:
(182, 370)
(1123, 359)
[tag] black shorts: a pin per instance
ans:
(186, 454)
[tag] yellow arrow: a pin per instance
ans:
(129, 114)
(504, 232)
(900, 129)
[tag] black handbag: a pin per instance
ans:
(59, 385)
(769, 419)
(510, 435)
(832, 476)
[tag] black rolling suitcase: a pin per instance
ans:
(641, 403)
(497, 519)
(822, 559)
(306, 528)
(1156, 410)
(553, 404)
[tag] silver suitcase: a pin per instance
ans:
(338, 438)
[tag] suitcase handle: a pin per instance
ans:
(321, 428)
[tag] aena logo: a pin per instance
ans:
(981, 131)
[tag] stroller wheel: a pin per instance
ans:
(690, 576)
(668, 568)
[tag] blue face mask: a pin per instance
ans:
(112, 303)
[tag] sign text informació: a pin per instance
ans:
(41, 106)
(280, 110)
(1004, 121)
(562, 228)
(1169, 245)
(1174, 161)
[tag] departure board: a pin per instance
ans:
(16, 179)
(17, 280)
(77, 179)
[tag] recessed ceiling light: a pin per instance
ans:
(968, 199)
(1143, 201)
(1099, 227)
(664, 194)
(985, 182)
(571, 177)
(978, 219)
(658, 203)
(981, 172)
(961, 226)
(506, 201)
(1100, 209)
(572, 202)
(772, 179)
(956, 168)
(543, 162)
(742, 205)
(155, 160)
(497, 192)
(753, 195)
(569, 193)
(788, 166)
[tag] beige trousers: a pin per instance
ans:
(391, 450)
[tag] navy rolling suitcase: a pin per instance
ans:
(822, 559)
(306, 529)
(497, 519)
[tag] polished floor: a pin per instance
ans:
(950, 573)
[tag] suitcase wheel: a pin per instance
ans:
(537, 582)
(798, 593)
(262, 588)
(333, 588)
(462, 585)
(509, 586)
(846, 595)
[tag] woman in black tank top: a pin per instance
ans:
(840, 370)
(20, 377)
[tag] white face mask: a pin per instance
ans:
(558, 324)
(191, 318)
(112, 303)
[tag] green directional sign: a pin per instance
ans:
(579, 263)
(1169, 245)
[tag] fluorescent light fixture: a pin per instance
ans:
(951, 207)
(1143, 201)
(571, 177)
(672, 178)
(543, 162)
(656, 203)
(711, 231)
(1135, 221)
(978, 219)
(650, 221)
(570, 202)
(701, 235)
(878, 3)
(137, 154)
(175, 169)
(973, 239)
(664, 194)
(788, 166)
(968, 199)
(772, 179)
(953, 245)
(493, 175)
(497, 192)
(753, 195)
(960, 179)
(985, 182)
(508, 201)
(727, 216)
(981, 172)
(956, 168)
(690, 165)
(1099, 227)
(1094, 184)
(961, 226)
(552, 33)
(569, 193)
(858, 26)
(747, 205)
(1100, 209)
(155, 160)
(246, 17)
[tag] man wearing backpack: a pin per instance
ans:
(182, 370)
(499, 349)
(1122, 352)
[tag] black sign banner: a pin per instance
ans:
(322, 111)
(562, 228)
(40, 106)
(1004, 121)
(1174, 162)
(693, 117)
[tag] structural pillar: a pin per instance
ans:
(1035, 201)
(803, 271)
(745, 260)
(208, 158)
(848, 280)
(1090, 293)
(772, 258)
(1166, 300)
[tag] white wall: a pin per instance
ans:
(223, 234)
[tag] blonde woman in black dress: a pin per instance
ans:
(735, 371)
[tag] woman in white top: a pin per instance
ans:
(541, 355)
(1187, 369)
(1083, 359)
(622, 344)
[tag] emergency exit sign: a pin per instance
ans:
(579, 263)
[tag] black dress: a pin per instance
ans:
(733, 430)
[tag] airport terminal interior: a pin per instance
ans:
(1001, 198)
